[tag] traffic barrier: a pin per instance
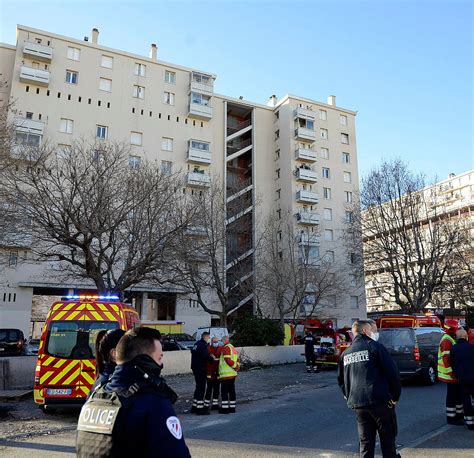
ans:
(17, 372)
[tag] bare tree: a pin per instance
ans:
(103, 220)
(292, 278)
(215, 263)
(410, 239)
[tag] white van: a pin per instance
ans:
(214, 332)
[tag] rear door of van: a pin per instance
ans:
(400, 343)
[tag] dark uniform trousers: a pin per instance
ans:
(200, 378)
(212, 393)
(228, 395)
(467, 393)
(310, 361)
(454, 403)
(381, 419)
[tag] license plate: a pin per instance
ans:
(58, 391)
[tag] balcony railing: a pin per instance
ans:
(199, 180)
(37, 51)
(302, 133)
(200, 111)
(309, 197)
(237, 146)
(304, 154)
(306, 238)
(199, 156)
(308, 218)
(233, 126)
(306, 175)
(305, 113)
(29, 126)
(34, 75)
(201, 87)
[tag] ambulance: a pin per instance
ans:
(65, 369)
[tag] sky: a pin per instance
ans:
(405, 66)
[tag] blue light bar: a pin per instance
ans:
(75, 297)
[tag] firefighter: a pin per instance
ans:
(211, 400)
(462, 362)
(370, 382)
(229, 365)
(309, 342)
(454, 408)
(199, 359)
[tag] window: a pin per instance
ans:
(204, 146)
(353, 258)
(277, 155)
(277, 134)
(348, 196)
(27, 139)
(134, 162)
(202, 79)
(352, 280)
(200, 99)
(73, 53)
(166, 167)
(327, 193)
(71, 77)
(13, 259)
(102, 132)
(346, 158)
(306, 123)
(105, 84)
(328, 235)
(136, 138)
(345, 139)
(323, 134)
(170, 77)
(29, 115)
(324, 153)
(168, 98)
(167, 144)
(329, 256)
(326, 173)
(328, 214)
(343, 120)
(349, 217)
(354, 302)
(347, 177)
(323, 114)
(138, 92)
(66, 126)
(107, 62)
(140, 69)
(278, 193)
(277, 173)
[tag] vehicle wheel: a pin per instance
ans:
(430, 376)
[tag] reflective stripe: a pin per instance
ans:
(450, 414)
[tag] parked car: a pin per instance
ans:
(214, 331)
(170, 344)
(32, 346)
(12, 342)
(185, 341)
(415, 351)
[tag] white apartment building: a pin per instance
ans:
(292, 153)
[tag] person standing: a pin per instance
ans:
(370, 382)
(454, 408)
(211, 400)
(229, 365)
(309, 342)
(462, 362)
(199, 359)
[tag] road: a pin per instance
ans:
(306, 421)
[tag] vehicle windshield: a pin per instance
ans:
(9, 335)
(75, 339)
(180, 337)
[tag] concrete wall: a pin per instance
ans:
(17, 373)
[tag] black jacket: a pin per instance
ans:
(462, 361)
(368, 375)
(200, 356)
(309, 342)
(150, 426)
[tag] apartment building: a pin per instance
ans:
(453, 198)
(292, 152)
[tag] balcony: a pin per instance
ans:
(199, 156)
(37, 51)
(305, 113)
(306, 238)
(303, 154)
(199, 180)
(302, 133)
(307, 197)
(306, 175)
(200, 111)
(196, 231)
(308, 218)
(204, 84)
(34, 76)
(29, 126)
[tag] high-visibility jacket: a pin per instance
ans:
(228, 362)
(445, 370)
(213, 366)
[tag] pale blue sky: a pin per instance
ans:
(405, 66)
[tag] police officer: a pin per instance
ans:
(370, 382)
(462, 362)
(309, 342)
(144, 422)
(199, 359)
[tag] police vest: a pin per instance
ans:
(445, 372)
(225, 371)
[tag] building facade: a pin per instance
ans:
(293, 153)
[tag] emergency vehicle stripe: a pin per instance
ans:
(60, 363)
(49, 360)
(69, 306)
(88, 378)
(45, 377)
(59, 315)
(73, 376)
(73, 315)
(110, 316)
(65, 372)
(96, 316)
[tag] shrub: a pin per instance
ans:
(250, 330)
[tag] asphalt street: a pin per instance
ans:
(309, 422)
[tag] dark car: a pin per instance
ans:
(415, 351)
(12, 342)
(184, 341)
